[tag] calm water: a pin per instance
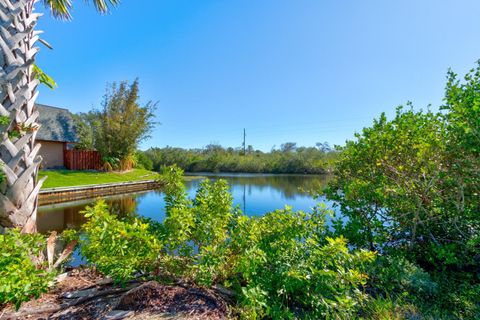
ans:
(256, 194)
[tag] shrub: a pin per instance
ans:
(393, 275)
(281, 264)
(388, 309)
(179, 220)
(23, 274)
(197, 230)
(143, 161)
(116, 248)
(385, 181)
(462, 117)
(409, 187)
(289, 268)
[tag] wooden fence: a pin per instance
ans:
(82, 160)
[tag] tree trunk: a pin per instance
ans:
(18, 151)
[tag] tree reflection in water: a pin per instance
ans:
(255, 194)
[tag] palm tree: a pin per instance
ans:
(19, 159)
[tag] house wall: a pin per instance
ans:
(52, 154)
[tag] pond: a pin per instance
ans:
(255, 194)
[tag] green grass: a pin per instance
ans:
(69, 178)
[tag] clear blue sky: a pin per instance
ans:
(302, 71)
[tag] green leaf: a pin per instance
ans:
(43, 77)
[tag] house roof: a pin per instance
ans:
(56, 124)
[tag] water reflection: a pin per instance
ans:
(288, 186)
(255, 194)
(66, 215)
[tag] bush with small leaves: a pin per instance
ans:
(116, 248)
(289, 267)
(281, 265)
(23, 274)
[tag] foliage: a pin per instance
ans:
(110, 163)
(85, 124)
(22, 274)
(386, 181)
(179, 219)
(407, 290)
(4, 120)
(280, 264)
(116, 248)
(214, 158)
(118, 127)
(290, 268)
(388, 309)
(393, 275)
(61, 8)
(127, 163)
(196, 229)
(143, 162)
(43, 77)
(124, 123)
(409, 188)
(288, 147)
(462, 107)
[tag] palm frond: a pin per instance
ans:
(61, 8)
(104, 6)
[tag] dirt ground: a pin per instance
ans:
(82, 294)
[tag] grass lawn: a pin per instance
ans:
(68, 178)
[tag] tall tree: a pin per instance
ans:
(122, 123)
(85, 127)
(19, 78)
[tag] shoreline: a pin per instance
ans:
(65, 194)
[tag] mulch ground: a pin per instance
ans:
(83, 294)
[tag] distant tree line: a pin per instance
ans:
(289, 158)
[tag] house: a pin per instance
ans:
(56, 135)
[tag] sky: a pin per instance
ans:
(301, 71)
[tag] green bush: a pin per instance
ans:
(280, 264)
(385, 182)
(388, 309)
(143, 161)
(395, 276)
(23, 274)
(289, 268)
(197, 230)
(458, 296)
(409, 187)
(116, 248)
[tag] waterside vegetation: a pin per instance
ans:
(406, 246)
(290, 158)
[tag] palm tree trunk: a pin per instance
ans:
(18, 151)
